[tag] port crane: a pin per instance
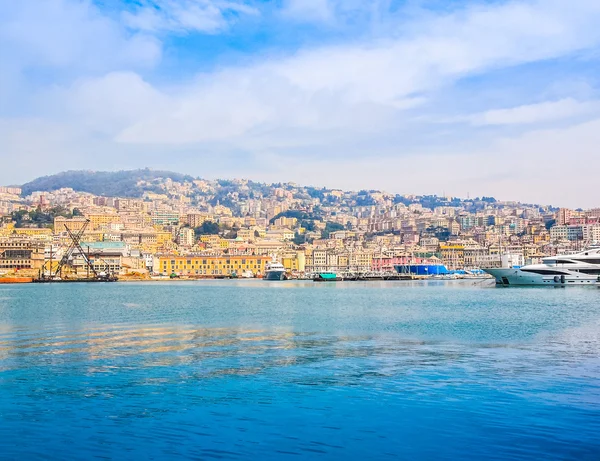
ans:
(76, 241)
(68, 254)
(67, 257)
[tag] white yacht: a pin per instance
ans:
(248, 274)
(565, 270)
(275, 271)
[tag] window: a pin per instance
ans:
(544, 272)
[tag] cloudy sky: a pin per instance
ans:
(410, 96)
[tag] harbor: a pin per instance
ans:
(316, 230)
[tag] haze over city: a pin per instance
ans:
(496, 98)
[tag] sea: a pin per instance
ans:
(250, 369)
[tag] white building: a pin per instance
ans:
(186, 237)
(591, 233)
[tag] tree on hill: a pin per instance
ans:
(309, 225)
(232, 234)
(207, 228)
(298, 214)
(39, 217)
(488, 199)
(106, 183)
(329, 228)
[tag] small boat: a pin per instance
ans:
(327, 277)
(248, 274)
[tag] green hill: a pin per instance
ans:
(107, 183)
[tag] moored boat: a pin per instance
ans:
(248, 274)
(16, 279)
(421, 269)
(564, 270)
(327, 277)
(275, 271)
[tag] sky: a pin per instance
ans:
(447, 97)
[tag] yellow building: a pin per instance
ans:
(453, 256)
(99, 221)
(74, 224)
(32, 231)
(163, 237)
(92, 237)
(212, 240)
(294, 261)
(7, 229)
(211, 265)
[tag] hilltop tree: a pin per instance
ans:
(207, 228)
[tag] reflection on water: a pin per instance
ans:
(214, 371)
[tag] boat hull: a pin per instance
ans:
(327, 277)
(275, 275)
(517, 277)
(16, 279)
(422, 269)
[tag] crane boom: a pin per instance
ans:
(74, 242)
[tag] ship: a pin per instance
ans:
(581, 268)
(275, 271)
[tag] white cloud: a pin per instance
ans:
(64, 39)
(101, 105)
(58, 34)
(320, 90)
(207, 16)
(309, 10)
(536, 113)
(361, 104)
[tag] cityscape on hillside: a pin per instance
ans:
(145, 223)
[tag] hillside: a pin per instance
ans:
(107, 183)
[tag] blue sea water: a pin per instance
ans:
(291, 370)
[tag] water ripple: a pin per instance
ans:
(353, 373)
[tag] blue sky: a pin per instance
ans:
(481, 97)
